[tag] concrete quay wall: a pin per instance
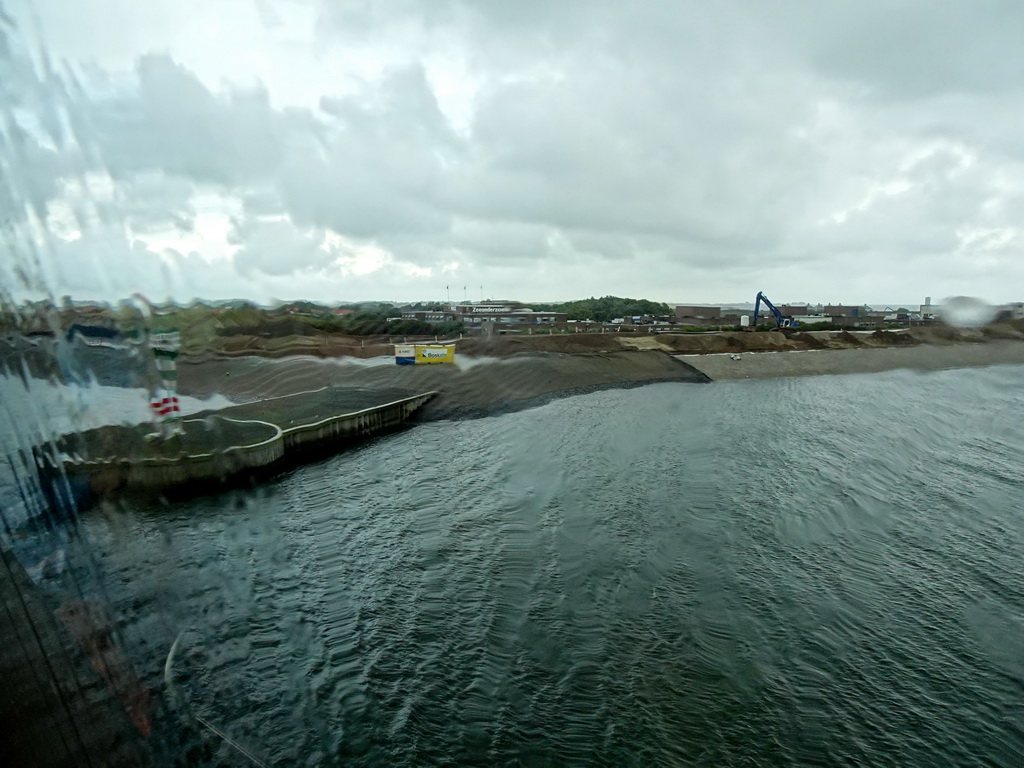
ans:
(221, 465)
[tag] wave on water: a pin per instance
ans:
(792, 572)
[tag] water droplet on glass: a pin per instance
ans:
(967, 312)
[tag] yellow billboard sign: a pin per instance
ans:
(417, 354)
(434, 354)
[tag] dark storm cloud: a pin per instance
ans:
(174, 123)
(913, 49)
(378, 170)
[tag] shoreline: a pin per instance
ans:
(478, 387)
(840, 362)
(467, 412)
(307, 396)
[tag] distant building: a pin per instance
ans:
(476, 315)
(690, 315)
(851, 316)
(805, 319)
(489, 307)
(928, 310)
(519, 317)
(646, 320)
(843, 310)
(430, 316)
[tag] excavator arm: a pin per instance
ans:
(781, 321)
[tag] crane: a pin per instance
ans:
(781, 321)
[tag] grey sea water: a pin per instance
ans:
(820, 571)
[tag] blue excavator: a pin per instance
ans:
(781, 321)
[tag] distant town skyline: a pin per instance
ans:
(499, 299)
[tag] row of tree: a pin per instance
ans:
(607, 308)
(383, 319)
(200, 321)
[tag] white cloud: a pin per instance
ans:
(677, 151)
(277, 247)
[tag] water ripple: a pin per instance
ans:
(803, 572)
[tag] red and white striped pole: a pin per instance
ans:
(164, 403)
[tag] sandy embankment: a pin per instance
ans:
(475, 387)
(514, 372)
(642, 338)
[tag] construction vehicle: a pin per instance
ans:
(781, 321)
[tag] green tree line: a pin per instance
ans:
(607, 308)
(384, 319)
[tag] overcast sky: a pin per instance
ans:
(852, 152)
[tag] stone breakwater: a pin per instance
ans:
(216, 448)
(297, 409)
